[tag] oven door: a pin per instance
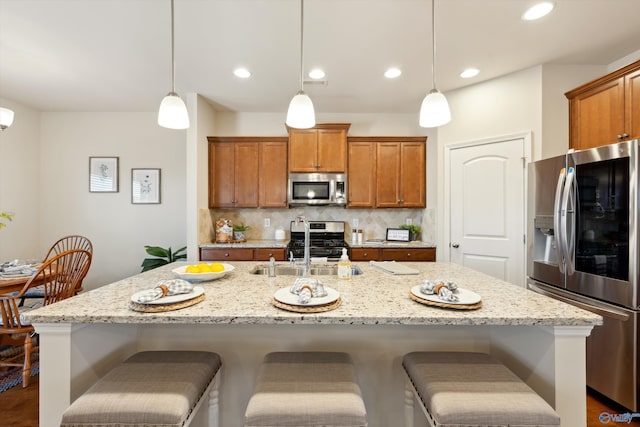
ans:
(604, 245)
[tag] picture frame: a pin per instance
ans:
(104, 174)
(397, 235)
(145, 186)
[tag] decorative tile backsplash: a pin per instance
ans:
(374, 222)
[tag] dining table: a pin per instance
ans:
(15, 284)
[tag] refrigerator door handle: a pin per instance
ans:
(566, 214)
(556, 219)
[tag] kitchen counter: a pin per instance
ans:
(387, 244)
(253, 243)
(541, 339)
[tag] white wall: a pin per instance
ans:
(19, 183)
(118, 229)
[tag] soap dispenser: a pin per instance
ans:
(344, 266)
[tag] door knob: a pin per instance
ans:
(455, 245)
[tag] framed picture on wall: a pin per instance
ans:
(145, 186)
(103, 174)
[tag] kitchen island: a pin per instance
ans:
(540, 339)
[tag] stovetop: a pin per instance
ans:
(326, 239)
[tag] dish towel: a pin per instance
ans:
(393, 267)
(165, 288)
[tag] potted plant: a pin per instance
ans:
(6, 215)
(414, 231)
(163, 256)
(238, 232)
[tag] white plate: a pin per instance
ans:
(201, 277)
(284, 295)
(465, 296)
(196, 292)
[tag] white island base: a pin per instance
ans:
(551, 359)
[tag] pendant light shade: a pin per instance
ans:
(173, 112)
(434, 111)
(6, 118)
(301, 114)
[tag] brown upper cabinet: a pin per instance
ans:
(247, 172)
(387, 172)
(606, 110)
(322, 148)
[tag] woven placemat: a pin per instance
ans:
(444, 304)
(307, 309)
(159, 308)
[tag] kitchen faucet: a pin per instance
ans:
(307, 242)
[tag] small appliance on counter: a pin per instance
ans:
(326, 240)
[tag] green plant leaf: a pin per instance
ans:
(157, 251)
(151, 263)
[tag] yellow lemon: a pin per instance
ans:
(216, 267)
(192, 269)
(204, 268)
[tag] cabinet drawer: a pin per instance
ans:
(222, 254)
(263, 254)
(365, 254)
(397, 254)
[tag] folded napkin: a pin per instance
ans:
(165, 288)
(393, 267)
(444, 290)
(307, 288)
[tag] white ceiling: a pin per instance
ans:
(114, 55)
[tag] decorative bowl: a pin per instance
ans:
(202, 277)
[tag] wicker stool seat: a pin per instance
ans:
(306, 389)
(471, 389)
(164, 388)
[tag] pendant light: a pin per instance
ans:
(301, 114)
(173, 112)
(6, 118)
(434, 111)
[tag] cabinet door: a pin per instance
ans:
(387, 174)
(273, 175)
(362, 175)
(632, 105)
(263, 254)
(246, 175)
(332, 150)
(597, 115)
(413, 254)
(365, 254)
(413, 175)
(221, 175)
(303, 150)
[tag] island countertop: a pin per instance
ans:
(373, 298)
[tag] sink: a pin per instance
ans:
(298, 270)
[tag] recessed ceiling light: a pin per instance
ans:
(316, 74)
(243, 73)
(469, 72)
(538, 10)
(392, 73)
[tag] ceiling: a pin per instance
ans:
(114, 55)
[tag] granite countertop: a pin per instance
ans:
(375, 297)
(399, 245)
(249, 244)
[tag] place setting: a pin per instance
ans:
(17, 269)
(445, 294)
(307, 295)
(167, 295)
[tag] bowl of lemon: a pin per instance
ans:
(203, 272)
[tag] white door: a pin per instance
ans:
(487, 193)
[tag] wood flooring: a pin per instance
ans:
(19, 408)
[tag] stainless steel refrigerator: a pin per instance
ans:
(583, 249)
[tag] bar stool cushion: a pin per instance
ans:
(474, 389)
(306, 389)
(151, 388)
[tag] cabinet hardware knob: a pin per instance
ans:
(455, 245)
(408, 254)
(625, 135)
(619, 136)
(226, 254)
(365, 254)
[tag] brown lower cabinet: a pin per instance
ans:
(241, 254)
(393, 254)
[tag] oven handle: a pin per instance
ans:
(593, 307)
(556, 219)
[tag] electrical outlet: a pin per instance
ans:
(267, 222)
(408, 221)
(355, 222)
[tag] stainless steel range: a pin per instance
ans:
(326, 239)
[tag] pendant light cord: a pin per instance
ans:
(301, 45)
(173, 61)
(433, 42)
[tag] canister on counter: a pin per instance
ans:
(224, 230)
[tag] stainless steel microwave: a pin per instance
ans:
(319, 189)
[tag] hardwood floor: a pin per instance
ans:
(19, 408)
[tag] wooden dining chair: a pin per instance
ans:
(60, 276)
(64, 244)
